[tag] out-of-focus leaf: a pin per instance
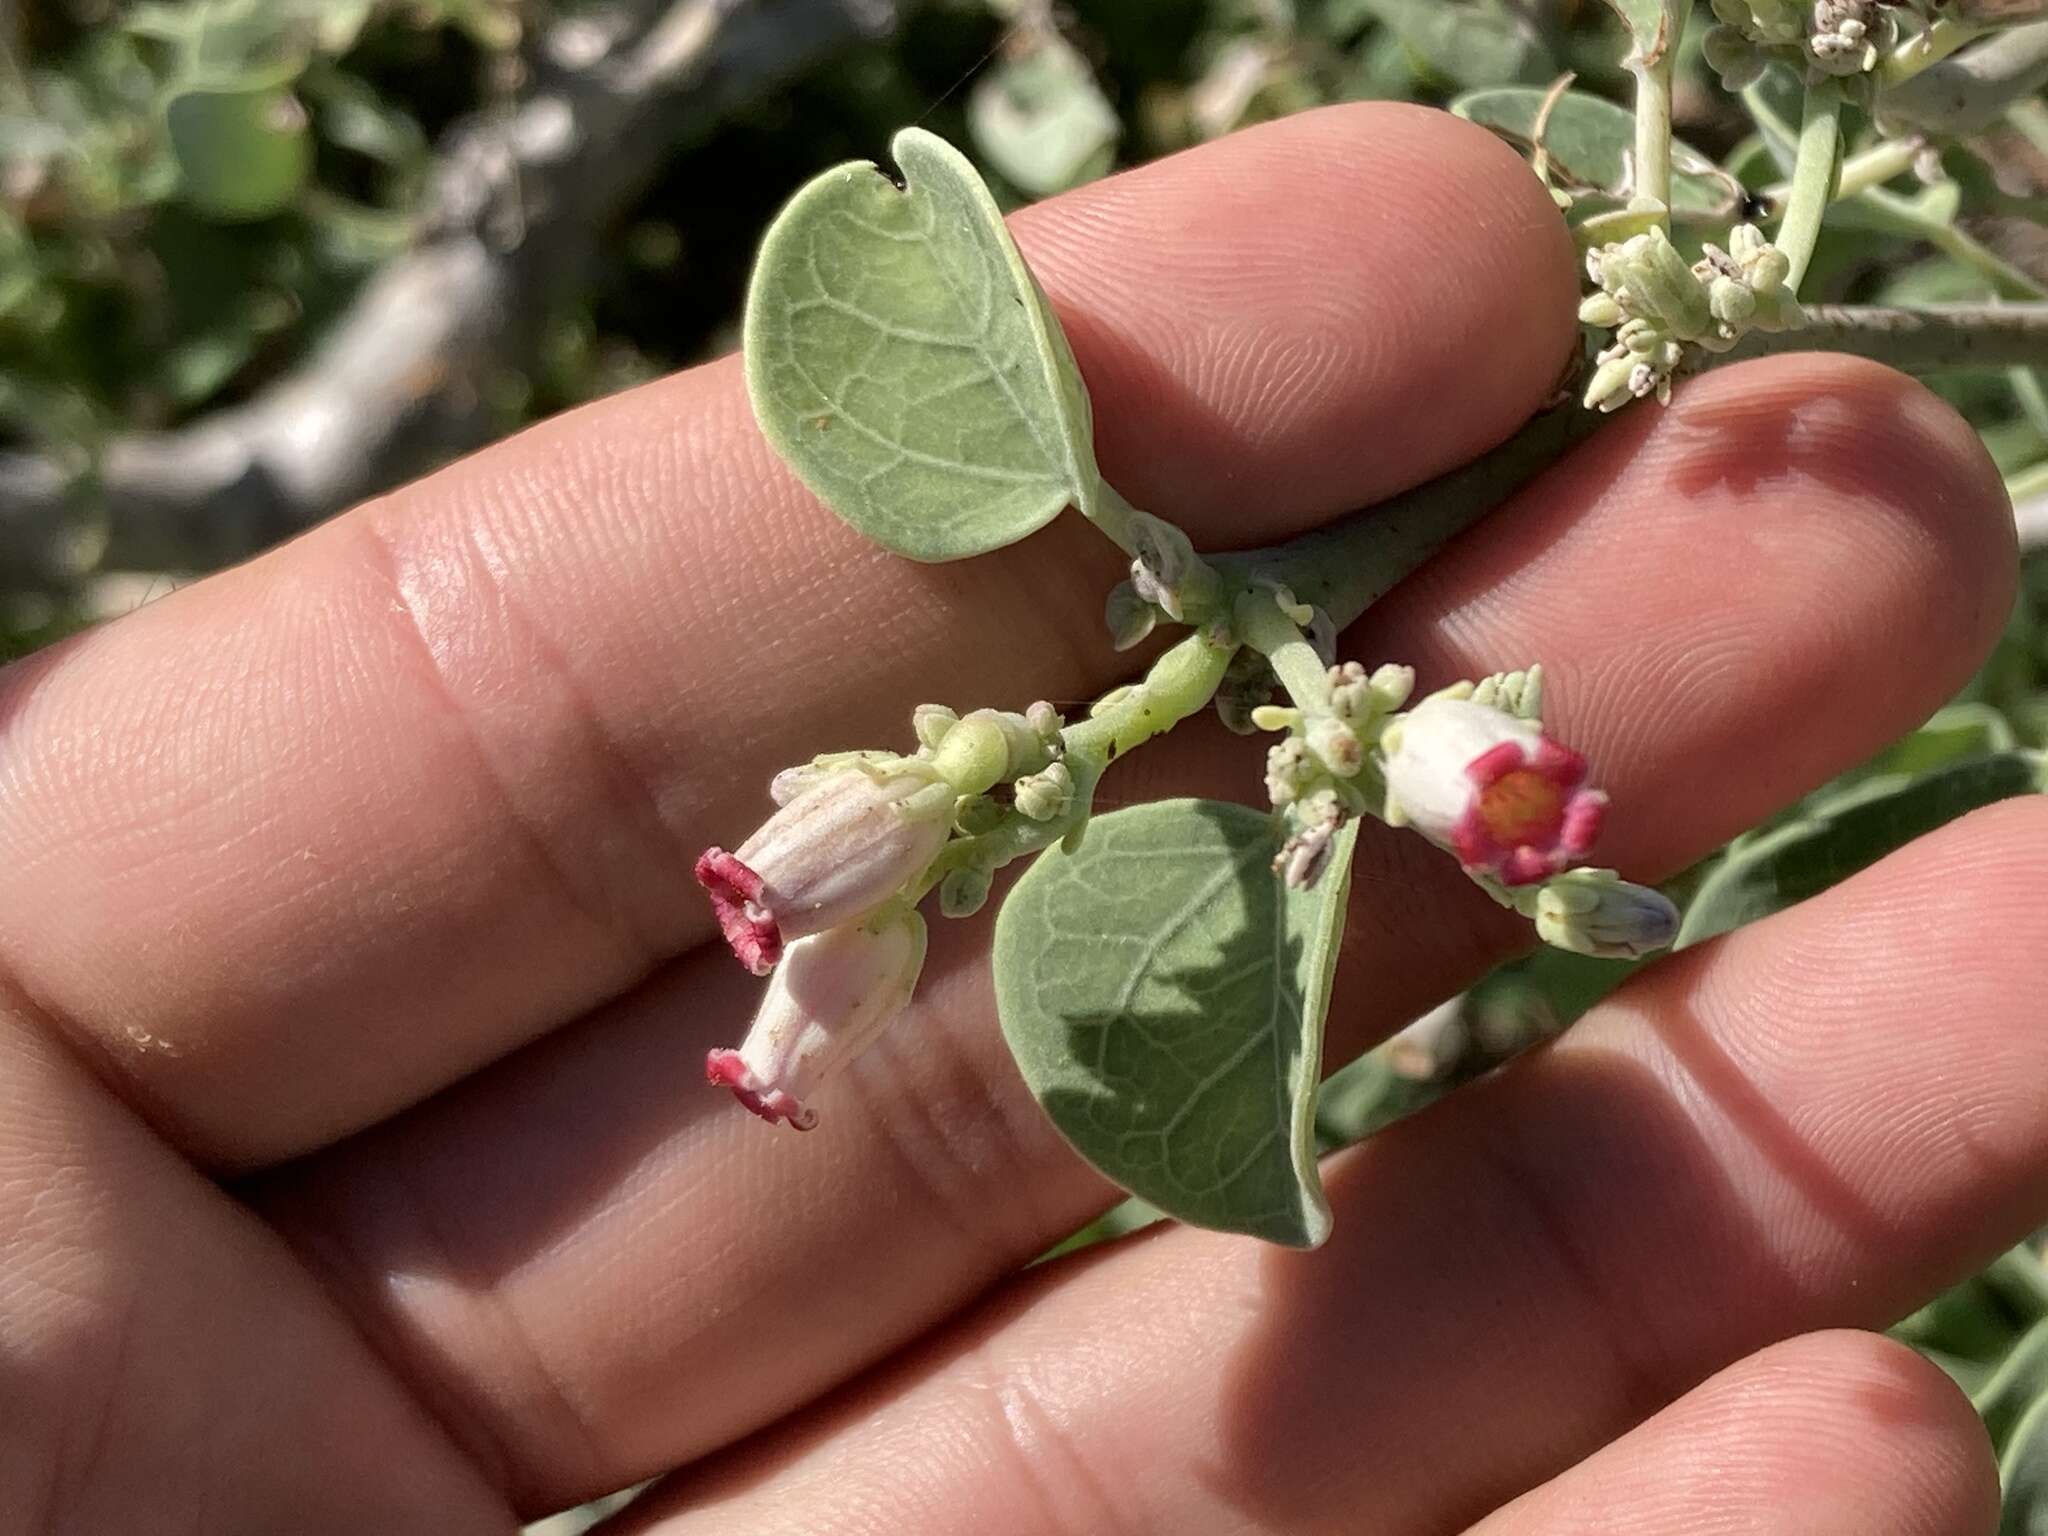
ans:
(1652, 24)
(1834, 841)
(1589, 138)
(1041, 120)
(1955, 733)
(1163, 993)
(241, 154)
(1468, 45)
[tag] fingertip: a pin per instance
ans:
(1309, 315)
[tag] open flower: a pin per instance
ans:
(832, 995)
(836, 852)
(1509, 801)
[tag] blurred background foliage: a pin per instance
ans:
(194, 193)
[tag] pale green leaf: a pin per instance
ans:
(241, 154)
(1465, 44)
(1588, 139)
(1164, 994)
(903, 362)
(1832, 842)
(1652, 24)
(1040, 119)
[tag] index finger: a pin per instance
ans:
(304, 843)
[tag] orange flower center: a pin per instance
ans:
(1522, 807)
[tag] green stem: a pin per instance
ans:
(1921, 340)
(1270, 632)
(1180, 684)
(1108, 511)
(1927, 47)
(1813, 176)
(2007, 280)
(1653, 124)
(1345, 567)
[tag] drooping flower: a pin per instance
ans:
(832, 855)
(832, 995)
(1492, 788)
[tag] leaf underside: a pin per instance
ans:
(903, 362)
(1163, 994)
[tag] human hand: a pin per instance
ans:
(356, 1167)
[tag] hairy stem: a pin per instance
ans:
(1813, 176)
(1347, 566)
(1921, 340)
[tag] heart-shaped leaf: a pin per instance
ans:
(1164, 994)
(903, 362)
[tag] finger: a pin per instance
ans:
(1806, 1125)
(303, 843)
(1836, 1434)
(725, 1238)
(165, 1363)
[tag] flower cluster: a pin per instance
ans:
(820, 899)
(1471, 769)
(1312, 774)
(1656, 302)
(1836, 37)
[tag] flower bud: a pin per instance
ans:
(1290, 770)
(1047, 794)
(829, 857)
(1600, 309)
(931, 722)
(974, 756)
(834, 992)
(1336, 746)
(1491, 788)
(1591, 912)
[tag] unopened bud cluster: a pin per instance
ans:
(1836, 37)
(1657, 303)
(1312, 773)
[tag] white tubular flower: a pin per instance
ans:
(1490, 787)
(832, 995)
(836, 852)
(1593, 912)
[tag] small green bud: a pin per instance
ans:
(973, 756)
(1609, 389)
(965, 891)
(931, 722)
(1600, 309)
(1046, 795)
(1732, 302)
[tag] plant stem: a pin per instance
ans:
(1927, 47)
(1920, 340)
(1347, 566)
(1109, 512)
(1653, 125)
(1270, 632)
(2007, 280)
(1813, 176)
